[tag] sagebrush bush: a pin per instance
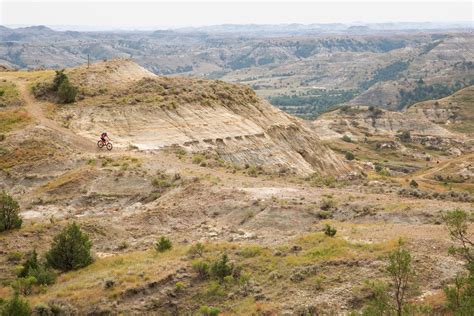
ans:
(201, 268)
(163, 244)
(9, 213)
(330, 231)
(70, 249)
(328, 204)
(196, 250)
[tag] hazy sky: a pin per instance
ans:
(152, 14)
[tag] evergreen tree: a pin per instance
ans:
(70, 249)
(9, 209)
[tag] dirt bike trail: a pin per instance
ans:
(36, 111)
(425, 175)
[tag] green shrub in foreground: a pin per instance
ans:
(15, 306)
(163, 244)
(9, 209)
(70, 249)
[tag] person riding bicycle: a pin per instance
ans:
(103, 137)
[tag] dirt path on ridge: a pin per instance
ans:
(35, 109)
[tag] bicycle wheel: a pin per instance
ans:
(109, 146)
(100, 144)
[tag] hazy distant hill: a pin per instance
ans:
(303, 69)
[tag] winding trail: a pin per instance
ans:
(35, 109)
(443, 165)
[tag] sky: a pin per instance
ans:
(148, 14)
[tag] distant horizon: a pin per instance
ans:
(76, 27)
(165, 14)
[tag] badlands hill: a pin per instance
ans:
(454, 113)
(147, 112)
(450, 117)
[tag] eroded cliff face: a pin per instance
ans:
(153, 112)
(359, 121)
(454, 113)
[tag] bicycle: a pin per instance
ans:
(106, 143)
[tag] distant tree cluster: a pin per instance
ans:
(310, 106)
(424, 92)
(390, 72)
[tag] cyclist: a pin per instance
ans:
(103, 137)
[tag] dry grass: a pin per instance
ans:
(12, 119)
(9, 95)
(85, 287)
(28, 151)
(70, 179)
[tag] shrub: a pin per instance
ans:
(252, 171)
(401, 272)
(460, 296)
(198, 159)
(413, 184)
(346, 139)
(34, 268)
(201, 268)
(15, 306)
(31, 263)
(24, 285)
(196, 250)
(250, 252)
(378, 167)
(329, 230)
(14, 256)
(9, 208)
(209, 311)
(349, 156)
(59, 78)
(163, 244)
(66, 93)
(214, 290)
(179, 286)
(221, 268)
(70, 249)
(385, 172)
(380, 299)
(324, 214)
(328, 204)
(405, 136)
